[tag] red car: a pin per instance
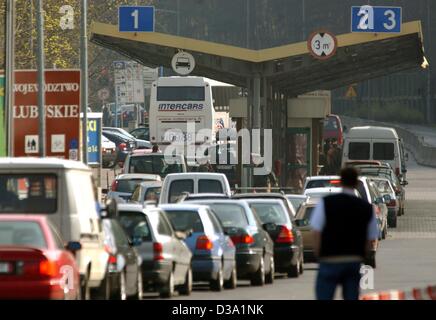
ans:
(34, 261)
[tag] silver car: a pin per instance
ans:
(125, 184)
(166, 259)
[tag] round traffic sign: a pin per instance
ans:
(183, 63)
(103, 94)
(322, 45)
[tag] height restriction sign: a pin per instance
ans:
(322, 45)
(62, 112)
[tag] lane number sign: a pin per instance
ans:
(376, 19)
(322, 45)
(136, 18)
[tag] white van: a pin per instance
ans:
(63, 191)
(175, 185)
(375, 143)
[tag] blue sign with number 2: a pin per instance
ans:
(376, 19)
(136, 19)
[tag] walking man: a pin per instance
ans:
(344, 227)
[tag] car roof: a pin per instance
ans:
(136, 176)
(184, 175)
(323, 189)
(207, 195)
(258, 195)
(182, 206)
(23, 217)
(241, 203)
(151, 184)
(295, 196)
(41, 163)
(377, 132)
(254, 200)
(130, 207)
(323, 178)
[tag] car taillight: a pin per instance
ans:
(114, 185)
(285, 235)
(244, 239)
(112, 259)
(158, 251)
(204, 243)
(48, 268)
(123, 146)
(335, 181)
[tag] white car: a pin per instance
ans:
(63, 191)
(322, 182)
(108, 152)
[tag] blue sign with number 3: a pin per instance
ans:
(136, 19)
(376, 19)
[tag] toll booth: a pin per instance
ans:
(305, 117)
(274, 77)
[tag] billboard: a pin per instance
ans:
(2, 117)
(94, 138)
(62, 113)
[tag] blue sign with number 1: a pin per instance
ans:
(136, 19)
(376, 19)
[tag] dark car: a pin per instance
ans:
(282, 197)
(124, 144)
(142, 133)
(166, 259)
(288, 242)
(254, 246)
(213, 252)
(124, 278)
(140, 143)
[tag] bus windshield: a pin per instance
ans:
(180, 94)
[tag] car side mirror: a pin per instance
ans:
(73, 246)
(301, 222)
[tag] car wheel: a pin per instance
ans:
(385, 232)
(186, 288)
(258, 279)
(168, 289)
(232, 283)
(121, 293)
(218, 283)
(102, 292)
(294, 271)
(302, 265)
(269, 279)
(86, 290)
(139, 288)
(392, 222)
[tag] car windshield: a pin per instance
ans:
(154, 164)
(270, 213)
(22, 233)
(135, 224)
(185, 220)
(230, 215)
(33, 193)
(296, 202)
(127, 186)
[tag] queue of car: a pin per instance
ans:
(163, 228)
